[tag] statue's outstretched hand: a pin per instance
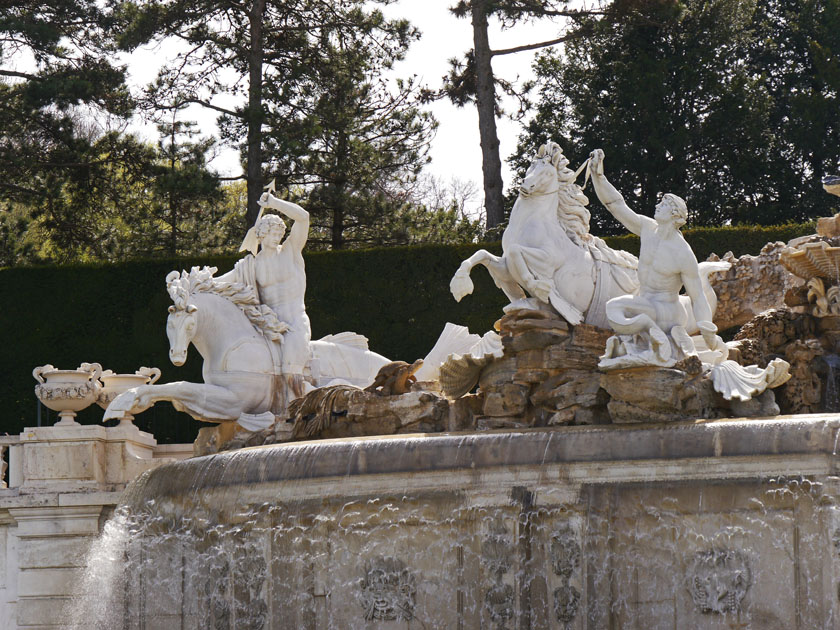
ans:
(596, 162)
(265, 199)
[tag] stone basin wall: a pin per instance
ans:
(714, 524)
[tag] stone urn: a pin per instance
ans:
(67, 391)
(115, 384)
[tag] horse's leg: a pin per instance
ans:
(462, 285)
(498, 269)
(518, 267)
(210, 403)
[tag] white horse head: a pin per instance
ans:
(182, 323)
(180, 330)
(541, 178)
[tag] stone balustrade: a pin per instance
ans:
(58, 485)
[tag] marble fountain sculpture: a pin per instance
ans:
(578, 467)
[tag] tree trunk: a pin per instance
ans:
(255, 111)
(337, 192)
(491, 163)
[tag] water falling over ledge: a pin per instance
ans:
(696, 525)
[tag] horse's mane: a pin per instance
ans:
(181, 286)
(573, 214)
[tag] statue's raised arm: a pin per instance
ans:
(300, 229)
(610, 197)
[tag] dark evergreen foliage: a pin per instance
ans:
(731, 104)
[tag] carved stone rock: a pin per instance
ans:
(547, 375)
(565, 552)
(389, 590)
(803, 392)
(829, 226)
(565, 560)
(718, 580)
(497, 558)
(650, 394)
(772, 330)
(752, 285)
(509, 399)
(566, 603)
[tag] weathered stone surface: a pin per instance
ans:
(829, 226)
(533, 340)
(463, 412)
(763, 405)
(514, 316)
(775, 328)
(598, 414)
(654, 388)
(510, 399)
(572, 387)
(488, 423)
(564, 416)
(572, 358)
(531, 359)
(803, 392)
(590, 337)
(528, 376)
(414, 411)
(548, 325)
(498, 373)
(651, 394)
(752, 285)
(829, 323)
(625, 413)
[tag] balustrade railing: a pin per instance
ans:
(5, 443)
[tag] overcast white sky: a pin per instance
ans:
(455, 150)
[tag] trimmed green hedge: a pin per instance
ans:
(115, 314)
(739, 239)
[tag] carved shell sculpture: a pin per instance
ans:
(460, 372)
(812, 260)
(395, 378)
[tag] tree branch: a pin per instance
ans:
(551, 42)
(206, 104)
(22, 75)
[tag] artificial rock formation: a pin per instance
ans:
(546, 374)
(751, 285)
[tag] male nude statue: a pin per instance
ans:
(278, 274)
(666, 265)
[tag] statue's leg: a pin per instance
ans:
(498, 269)
(461, 284)
(631, 315)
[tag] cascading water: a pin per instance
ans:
(831, 399)
(686, 526)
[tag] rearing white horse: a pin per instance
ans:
(236, 337)
(561, 265)
(539, 258)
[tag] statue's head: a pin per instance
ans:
(270, 230)
(672, 207)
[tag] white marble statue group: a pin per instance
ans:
(250, 324)
(548, 254)
(251, 328)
